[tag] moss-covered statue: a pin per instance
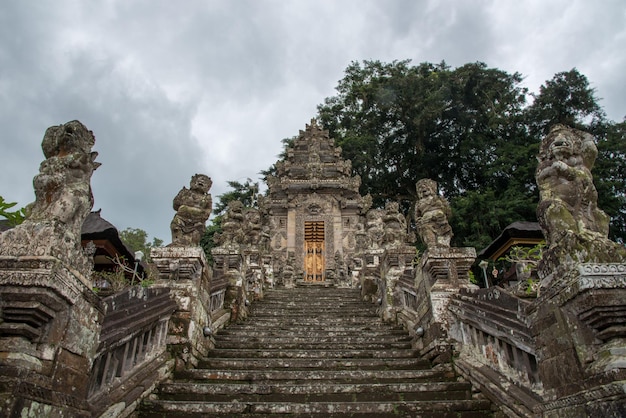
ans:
(573, 225)
(431, 215)
(193, 207)
(63, 199)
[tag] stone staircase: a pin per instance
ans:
(314, 352)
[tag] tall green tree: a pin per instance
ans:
(470, 129)
(610, 177)
(137, 240)
(567, 98)
(245, 192)
(462, 127)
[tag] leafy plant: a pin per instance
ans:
(14, 217)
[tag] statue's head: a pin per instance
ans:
(426, 188)
(201, 183)
(69, 138)
(561, 143)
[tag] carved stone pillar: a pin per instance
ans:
(443, 271)
(185, 271)
(395, 261)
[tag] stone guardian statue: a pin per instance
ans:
(431, 215)
(573, 225)
(193, 207)
(63, 199)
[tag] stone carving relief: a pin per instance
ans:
(252, 226)
(232, 225)
(574, 227)
(395, 225)
(193, 207)
(431, 215)
(375, 227)
(63, 199)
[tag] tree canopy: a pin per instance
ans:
(472, 130)
(137, 240)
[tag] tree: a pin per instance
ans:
(14, 217)
(471, 130)
(568, 99)
(610, 177)
(137, 240)
(245, 192)
(462, 127)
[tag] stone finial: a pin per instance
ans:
(63, 199)
(193, 207)
(573, 225)
(431, 215)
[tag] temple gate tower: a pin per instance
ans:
(314, 207)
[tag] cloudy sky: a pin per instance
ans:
(171, 89)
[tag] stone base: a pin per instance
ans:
(185, 271)
(49, 327)
(581, 336)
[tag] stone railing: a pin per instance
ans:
(496, 347)
(132, 352)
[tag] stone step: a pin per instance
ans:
(314, 352)
(298, 353)
(290, 337)
(433, 409)
(372, 329)
(314, 363)
(307, 392)
(363, 376)
(329, 331)
(321, 321)
(318, 345)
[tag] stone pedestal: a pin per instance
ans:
(395, 261)
(231, 266)
(185, 271)
(49, 328)
(443, 272)
(580, 328)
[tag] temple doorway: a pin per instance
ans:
(314, 253)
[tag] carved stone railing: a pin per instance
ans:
(496, 347)
(132, 351)
(561, 354)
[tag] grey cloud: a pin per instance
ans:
(212, 87)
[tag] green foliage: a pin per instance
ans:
(399, 123)
(567, 99)
(471, 130)
(530, 256)
(609, 176)
(15, 217)
(137, 240)
(245, 192)
(206, 242)
(118, 277)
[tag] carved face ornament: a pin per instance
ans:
(201, 182)
(561, 146)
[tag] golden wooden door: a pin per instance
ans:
(314, 251)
